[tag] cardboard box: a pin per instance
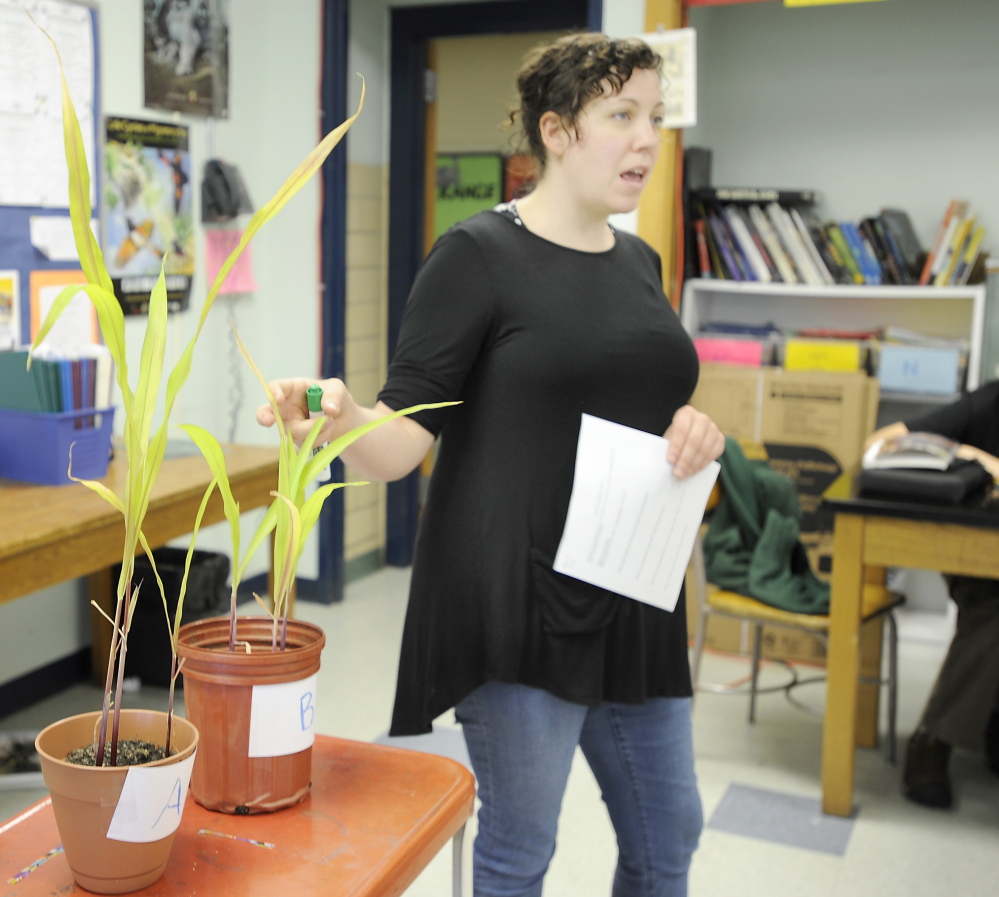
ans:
(808, 425)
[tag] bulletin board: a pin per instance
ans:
(33, 180)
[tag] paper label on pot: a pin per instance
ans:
(151, 803)
(283, 717)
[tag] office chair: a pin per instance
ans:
(878, 602)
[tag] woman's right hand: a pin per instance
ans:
(289, 395)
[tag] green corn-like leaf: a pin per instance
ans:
(213, 454)
(175, 629)
(91, 259)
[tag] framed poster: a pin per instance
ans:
(466, 183)
(147, 211)
(186, 56)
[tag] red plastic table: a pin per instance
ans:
(374, 819)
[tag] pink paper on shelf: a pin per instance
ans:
(219, 243)
(729, 351)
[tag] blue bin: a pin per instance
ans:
(35, 446)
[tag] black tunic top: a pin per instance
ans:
(529, 335)
(972, 420)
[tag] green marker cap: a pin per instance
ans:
(314, 396)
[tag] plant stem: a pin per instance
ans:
(173, 682)
(232, 620)
(116, 719)
(102, 735)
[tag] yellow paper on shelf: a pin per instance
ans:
(792, 3)
(822, 355)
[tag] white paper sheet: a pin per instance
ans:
(151, 803)
(283, 718)
(631, 524)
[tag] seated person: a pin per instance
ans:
(962, 707)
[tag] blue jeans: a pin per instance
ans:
(521, 742)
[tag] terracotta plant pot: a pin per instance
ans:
(234, 773)
(85, 798)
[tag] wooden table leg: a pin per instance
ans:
(869, 693)
(843, 666)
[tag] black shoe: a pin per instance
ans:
(992, 742)
(925, 779)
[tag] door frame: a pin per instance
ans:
(411, 28)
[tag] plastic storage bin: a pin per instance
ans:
(35, 446)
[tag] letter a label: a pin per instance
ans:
(151, 802)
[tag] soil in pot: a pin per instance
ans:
(131, 752)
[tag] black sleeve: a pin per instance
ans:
(446, 320)
(973, 419)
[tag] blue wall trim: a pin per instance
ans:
(333, 237)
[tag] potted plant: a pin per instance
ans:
(130, 813)
(250, 682)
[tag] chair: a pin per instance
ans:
(878, 603)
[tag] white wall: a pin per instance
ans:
(874, 104)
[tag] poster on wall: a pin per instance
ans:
(147, 211)
(466, 183)
(10, 310)
(186, 56)
(678, 48)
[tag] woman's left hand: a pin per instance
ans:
(694, 442)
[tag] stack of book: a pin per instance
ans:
(956, 257)
(56, 383)
(775, 236)
(755, 234)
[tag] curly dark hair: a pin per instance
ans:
(564, 75)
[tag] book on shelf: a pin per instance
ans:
(955, 211)
(876, 246)
(966, 264)
(813, 253)
(836, 236)
(730, 256)
(714, 253)
(760, 195)
(791, 239)
(893, 250)
(958, 242)
(899, 226)
(771, 240)
(761, 247)
(744, 241)
(704, 265)
(867, 262)
(919, 450)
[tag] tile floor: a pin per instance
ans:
(759, 784)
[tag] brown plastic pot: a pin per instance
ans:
(84, 799)
(218, 688)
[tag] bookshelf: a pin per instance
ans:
(949, 312)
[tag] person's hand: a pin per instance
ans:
(694, 441)
(294, 408)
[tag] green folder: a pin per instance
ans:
(20, 389)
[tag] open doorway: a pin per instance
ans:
(412, 31)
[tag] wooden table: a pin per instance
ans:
(871, 534)
(49, 534)
(374, 819)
